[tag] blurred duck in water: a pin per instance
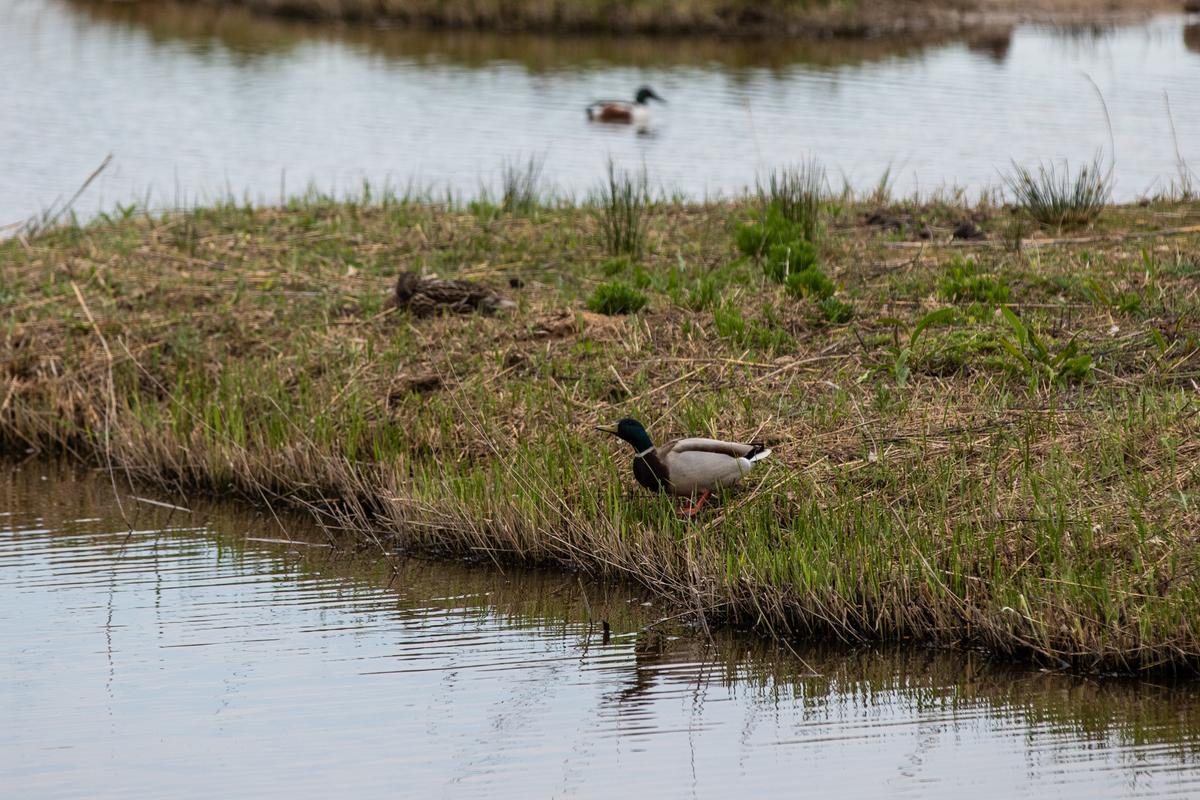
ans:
(624, 112)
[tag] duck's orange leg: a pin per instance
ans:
(691, 512)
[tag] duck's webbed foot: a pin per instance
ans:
(695, 509)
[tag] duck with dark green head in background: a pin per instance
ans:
(624, 112)
(694, 467)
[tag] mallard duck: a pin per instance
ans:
(693, 467)
(622, 111)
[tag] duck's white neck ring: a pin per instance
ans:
(645, 452)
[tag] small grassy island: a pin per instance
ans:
(985, 419)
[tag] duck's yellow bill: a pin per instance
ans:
(607, 428)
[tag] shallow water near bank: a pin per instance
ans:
(191, 656)
(197, 106)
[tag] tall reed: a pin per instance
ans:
(622, 200)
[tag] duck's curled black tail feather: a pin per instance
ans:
(758, 451)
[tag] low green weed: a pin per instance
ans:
(902, 355)
(1124, 302)
(835, 311)
(763, 334)
(706, 293)
(963, 281)
(615, 266)
(810, 282)
(616, 297)
(786, 256)
(1031, 357)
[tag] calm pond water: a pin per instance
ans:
(195, 106)
(187, 657)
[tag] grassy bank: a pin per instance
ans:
(811, 18)
(254, 36)
(979, 442)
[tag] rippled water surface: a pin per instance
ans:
(195, 106)
(190, 658)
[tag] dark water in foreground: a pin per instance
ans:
(196, 107)
(186, 659)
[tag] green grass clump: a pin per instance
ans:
(521, 185)
(617, 265)
(787, 258)
(778, 243)
(796, 193)
(706, 293)
(783, 234)
(810, 282)
(622, 201)
(836, 311)
(963, 282)
(786, 252)
(616, 297)
(1038, 361)
(765, 334)
(1057, 196)
(729, 322)
(770, 231)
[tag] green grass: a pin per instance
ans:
(616, 298)
(521, 185)
(940, 472)
(964, 281)
(773, 236)
(622, 202)
(835, 311)
(797, 193)
(1058, 196)
(810, 282)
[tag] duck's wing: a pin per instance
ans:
(731, 449)
(610, 111)
(695, 465)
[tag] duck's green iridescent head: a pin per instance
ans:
(631, 431)
(646, 93)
